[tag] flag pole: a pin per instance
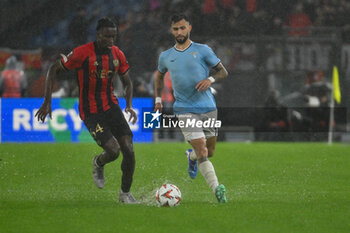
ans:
(331, 119)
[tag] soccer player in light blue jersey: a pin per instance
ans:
(189, 64)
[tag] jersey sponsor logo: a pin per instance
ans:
(102, 74)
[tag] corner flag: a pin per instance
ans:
(336, 88)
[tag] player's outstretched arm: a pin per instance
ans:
(158, 90)
(220, 74)
(50, 78)
(128, 88)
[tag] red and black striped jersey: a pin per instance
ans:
(95, 72)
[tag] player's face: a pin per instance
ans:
(106, 37)
(181, 31)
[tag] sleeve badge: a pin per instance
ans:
(115, 63)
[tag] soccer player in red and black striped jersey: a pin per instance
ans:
(96, 64)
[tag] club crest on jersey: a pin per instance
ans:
(115, 63)
(194, 54)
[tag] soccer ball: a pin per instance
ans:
(168, 195)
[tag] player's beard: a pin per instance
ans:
(182, 41)
(104, 45)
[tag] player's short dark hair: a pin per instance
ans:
(177, 17)
(105, 23)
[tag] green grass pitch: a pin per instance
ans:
(271, 187)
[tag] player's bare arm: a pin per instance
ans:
(220, 74)
(158, 87)
(128, 89)
(45, 108)
(2, 86)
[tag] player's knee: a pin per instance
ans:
(200, 148)
(205, 152)
(127, 147)
(113, 153)
(116, 153)
(202, 152)
(112, 149)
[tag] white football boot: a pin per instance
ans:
(127, 198)
(98, 174)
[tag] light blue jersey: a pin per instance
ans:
(186, 69)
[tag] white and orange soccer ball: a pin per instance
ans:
(168, 195)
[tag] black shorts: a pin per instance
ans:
(103, 126)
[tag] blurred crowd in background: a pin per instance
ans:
(144, 26)
(71, 23)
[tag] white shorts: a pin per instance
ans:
(195, 132)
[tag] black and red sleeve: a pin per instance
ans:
(73, 60)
